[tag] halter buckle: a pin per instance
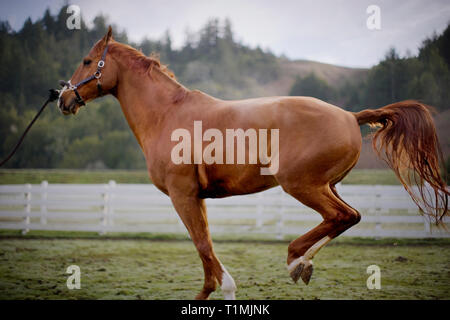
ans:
(97, 74)
(101, 64)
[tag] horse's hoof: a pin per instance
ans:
(301, 268)
(307, 273)
(295, 275)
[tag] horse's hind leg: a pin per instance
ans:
(192, 212)
(337, 217)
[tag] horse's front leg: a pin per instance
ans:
(192, 212)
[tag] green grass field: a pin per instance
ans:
(35, 176)
(35, 268)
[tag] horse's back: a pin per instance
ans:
(288, 109)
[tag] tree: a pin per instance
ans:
(34, 58)
(312, 86)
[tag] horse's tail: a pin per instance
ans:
(408, 142)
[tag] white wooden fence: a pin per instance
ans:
(387, 211)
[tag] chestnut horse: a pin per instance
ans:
(318, 145)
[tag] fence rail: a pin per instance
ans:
(387, 211)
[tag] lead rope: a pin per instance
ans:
(53, 96)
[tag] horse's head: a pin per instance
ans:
(94, 77)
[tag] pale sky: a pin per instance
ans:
(331, 31)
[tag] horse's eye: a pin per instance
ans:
(87, 62)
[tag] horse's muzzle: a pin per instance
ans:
(70, 108)
(64, 107)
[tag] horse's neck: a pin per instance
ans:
(145, 98)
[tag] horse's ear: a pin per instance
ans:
(108, 35)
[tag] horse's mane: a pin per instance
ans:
(136, 60)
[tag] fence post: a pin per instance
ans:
(427, 224)
(259, 211)
(44, 185)
(378, 211)
(112, 185)
(27, 208)
(280, 222)
(104, 217)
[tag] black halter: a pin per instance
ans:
(97, 75)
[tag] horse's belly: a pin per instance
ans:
(228, 180)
